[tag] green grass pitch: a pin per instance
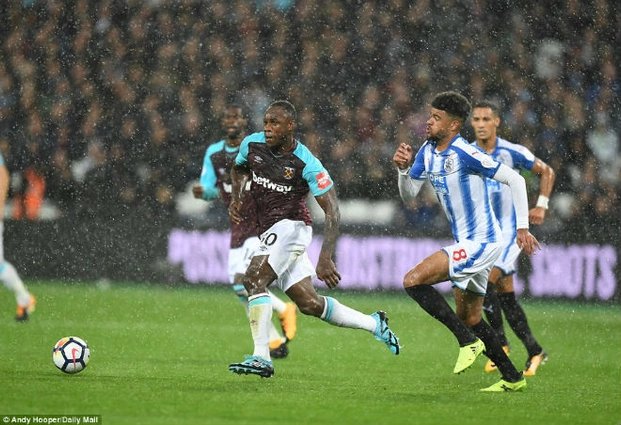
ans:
(160, 355)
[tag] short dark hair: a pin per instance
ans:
(488, 104)
(453, 104)
(286, 106)
(236, 106)
(233, 105)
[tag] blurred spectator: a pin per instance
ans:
(604, 142)
(94, 158)
(145, 78)
(60, 183)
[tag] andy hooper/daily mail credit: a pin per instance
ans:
(51, 419)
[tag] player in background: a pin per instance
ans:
(215, 182)
(283, 171)
(500, 296)
(26, 302)
(458, 172)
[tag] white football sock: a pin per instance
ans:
(243, 297)
(338, 314)
(260, 315)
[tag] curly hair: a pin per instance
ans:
(453, 103)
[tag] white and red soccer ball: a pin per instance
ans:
(71, 354)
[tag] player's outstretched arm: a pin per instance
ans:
(527, 242)
(239, 176)
(326, 269)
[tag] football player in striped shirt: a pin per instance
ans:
(500, 297)
(457, 171)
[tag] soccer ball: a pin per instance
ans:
(71, 354)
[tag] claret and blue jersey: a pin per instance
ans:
(215, 177)
(281, 183)
(216, 182)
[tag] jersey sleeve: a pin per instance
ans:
(315, 174)
(509, 176)
(522, 157)
(242, 155)
(208, 176)
(319, 181)
(417, 171)
(478, 161)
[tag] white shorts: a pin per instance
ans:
(239, 258)
(470, 263)
(286, 243)
(508, 256)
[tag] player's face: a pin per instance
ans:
(278, 128)
(439, 125)
(234, 123)
(484, 123)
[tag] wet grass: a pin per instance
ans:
(160, 356)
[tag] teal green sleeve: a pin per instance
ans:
(208, 178)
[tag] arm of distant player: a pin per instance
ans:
(326, 269)
(207, 189)
(536, 215)
(525, 240)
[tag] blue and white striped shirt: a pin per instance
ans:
(517, 157)
(458, 176)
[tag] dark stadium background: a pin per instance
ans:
(106, 109)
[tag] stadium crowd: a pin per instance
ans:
(106, 107)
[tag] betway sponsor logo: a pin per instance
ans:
(268, 184)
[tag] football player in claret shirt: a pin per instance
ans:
(283, 171)
(215, 182)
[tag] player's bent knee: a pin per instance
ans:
(254, 284)
(415, 277)
(310, 306)
(410, 280)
